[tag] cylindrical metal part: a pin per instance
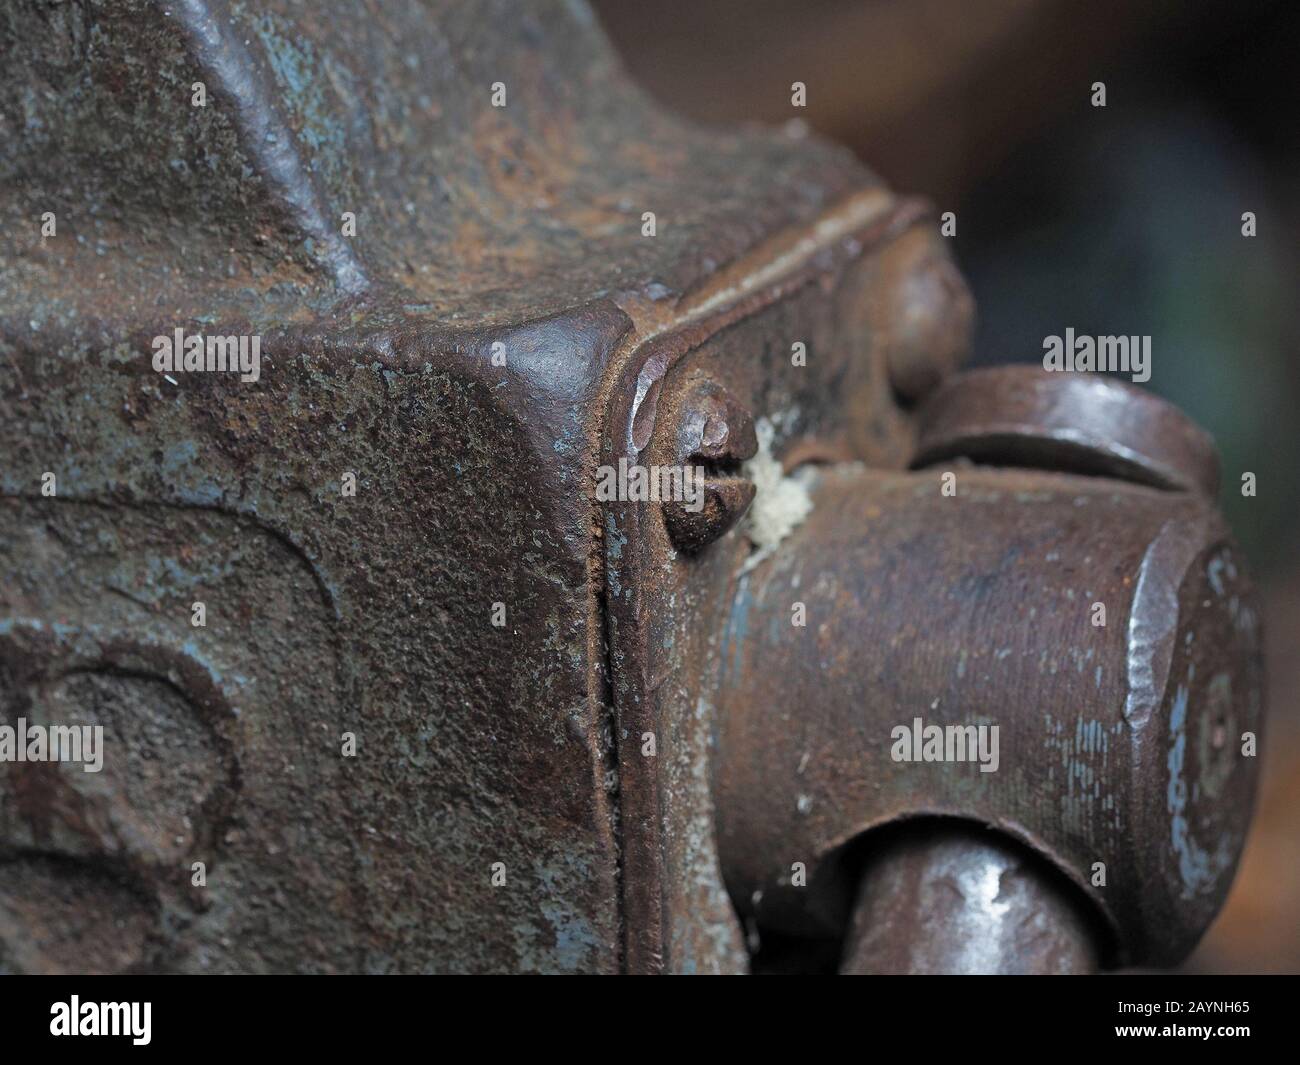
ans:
(1070, 660)
(1020, 416)
(948, 897)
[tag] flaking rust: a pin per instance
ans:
(447, 710)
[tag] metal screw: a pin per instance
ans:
(714, 432)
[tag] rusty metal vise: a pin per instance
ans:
(916, 671)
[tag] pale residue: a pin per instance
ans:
(781, 502)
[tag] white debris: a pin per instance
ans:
(781, 503)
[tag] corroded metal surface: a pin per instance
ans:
(1020, 416)
(479, 230)
(587, 737)
(1120, 744)
(830, 288)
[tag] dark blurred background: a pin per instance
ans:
(1123, 219)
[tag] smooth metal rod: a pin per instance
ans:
(948, 897)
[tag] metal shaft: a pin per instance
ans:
(949, 897)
